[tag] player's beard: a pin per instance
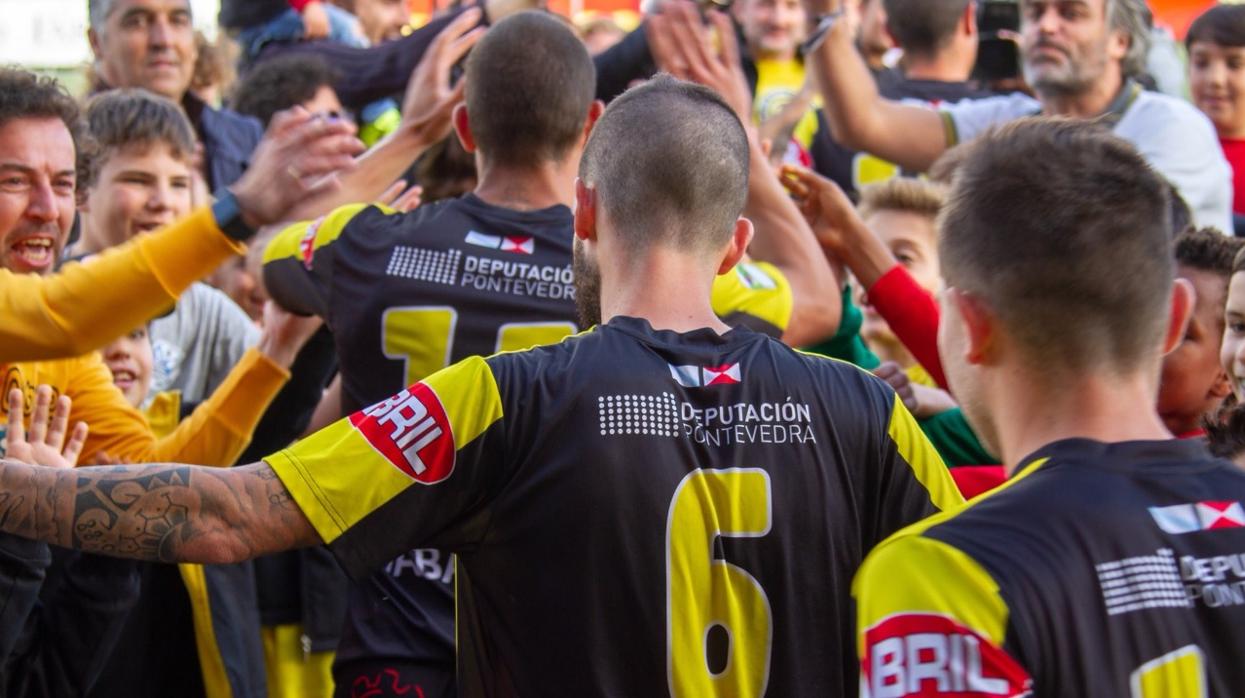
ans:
(587, 286)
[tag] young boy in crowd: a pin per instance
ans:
(1194, 384)
(1226, 433)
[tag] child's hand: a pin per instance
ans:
(45, 444)
(315, 21)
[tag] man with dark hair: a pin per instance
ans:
(88, 305)
(1081, 57)
(487, 272)
(939, 41)
(151, 44)
(715, 561)
(1094, 571)
(285, 81)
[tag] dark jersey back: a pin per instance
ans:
(406, 295)
(636, 510)
(853, 169)
(1121, 569)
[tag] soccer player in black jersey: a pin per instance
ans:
(1113, 561)
(662, 505)
(406, 295)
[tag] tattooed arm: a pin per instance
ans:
(164, 513)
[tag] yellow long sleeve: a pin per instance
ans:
(87, 305)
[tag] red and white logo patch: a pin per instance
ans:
(412, 432)
(307, 246)
(518, 245)
(722, 375)
(926, 654)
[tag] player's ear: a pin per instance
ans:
(738, 247)
(594, 112)
(977, 322)
(1182, 299)
(585, 211)
(462, 127)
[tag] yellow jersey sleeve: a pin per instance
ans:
(86, 305)
(931, 622)
(400, 473)
(756, 295)
(920, 457)
(298, 261)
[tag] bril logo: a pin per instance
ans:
(510, 243)
(926, 654)
(1199, 516)
(412, 432)
(698, 377)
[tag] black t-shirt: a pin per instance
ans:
(852, 169)
(633, 510)
(1099, 570)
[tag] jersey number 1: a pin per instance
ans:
(422, 337)
(718, 621)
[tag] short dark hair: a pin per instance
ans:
(25, 95)
(923, 27)
(669, 157)
(132, 117)
(280, 83)
(530, 84)
(1223, 25)
(1207, 249)
(1065, 232)
(1182, 215)
(1225, 432)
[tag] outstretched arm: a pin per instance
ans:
(859, 117)
(160, 513)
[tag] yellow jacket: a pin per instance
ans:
(85, 306)
(215, 434)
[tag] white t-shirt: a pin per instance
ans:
(1174, 137)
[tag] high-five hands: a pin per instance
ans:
(49, 442)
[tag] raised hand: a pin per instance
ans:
(46, 443)
(430, 98)
(285, 333)
(827, 209)
(297, 161)
(684, 46)
(401, 198)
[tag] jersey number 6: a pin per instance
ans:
(718, 623)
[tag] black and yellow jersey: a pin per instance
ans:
(1098, 570)
(406, 295)
(635, 512)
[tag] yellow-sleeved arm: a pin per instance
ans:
(87, 305)
(115, 427)
(220, 428)
(756, 295)
(296, 260)
(931, 621)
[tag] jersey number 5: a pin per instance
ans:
(718, 621)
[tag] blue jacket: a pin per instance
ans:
(228, 138)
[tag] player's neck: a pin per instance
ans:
(1099, 407)
(946, 66)
(666, 289)
(529, 188)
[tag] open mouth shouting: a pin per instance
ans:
(35, 253)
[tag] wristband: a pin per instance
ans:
(228, 217)
(824, 23)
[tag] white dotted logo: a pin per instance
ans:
(439, 267)
(645, 415)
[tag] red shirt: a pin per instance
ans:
(1234, 151)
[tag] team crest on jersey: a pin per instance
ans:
(927, 654)
(507, 243)
(703, 377)
(1199, 516)
(755, 278)
(412, 432)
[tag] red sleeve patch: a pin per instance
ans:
(926, 654)
(412, 432)
(307, 246)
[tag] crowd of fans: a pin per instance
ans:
(199, 259)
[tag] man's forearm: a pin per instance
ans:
(160, 513)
